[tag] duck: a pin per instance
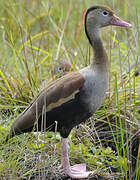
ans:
(62, 67)
(58, 70)
(75, 97)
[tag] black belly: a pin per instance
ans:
(67, 116)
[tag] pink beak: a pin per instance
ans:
(118, 22)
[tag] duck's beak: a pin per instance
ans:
(118, 22)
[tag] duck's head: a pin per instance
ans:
(101, 16)
(61, 68)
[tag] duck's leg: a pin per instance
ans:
(77, 171)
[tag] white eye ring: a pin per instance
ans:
(59, 68)
(105, 13)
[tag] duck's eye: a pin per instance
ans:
(59, 68)
(105, 13)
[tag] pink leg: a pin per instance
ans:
(77, 171)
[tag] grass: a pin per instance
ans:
(34, 34)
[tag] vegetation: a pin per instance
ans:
(34, 34)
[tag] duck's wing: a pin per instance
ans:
(52, 96)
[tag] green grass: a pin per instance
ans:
(33, 35)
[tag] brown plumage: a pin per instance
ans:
(53, 95)
(73, 98)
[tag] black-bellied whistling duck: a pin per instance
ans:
(73, 98)
(61, 68)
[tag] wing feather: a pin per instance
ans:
(53, 95)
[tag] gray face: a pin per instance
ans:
(99, 17)
(58, 70)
